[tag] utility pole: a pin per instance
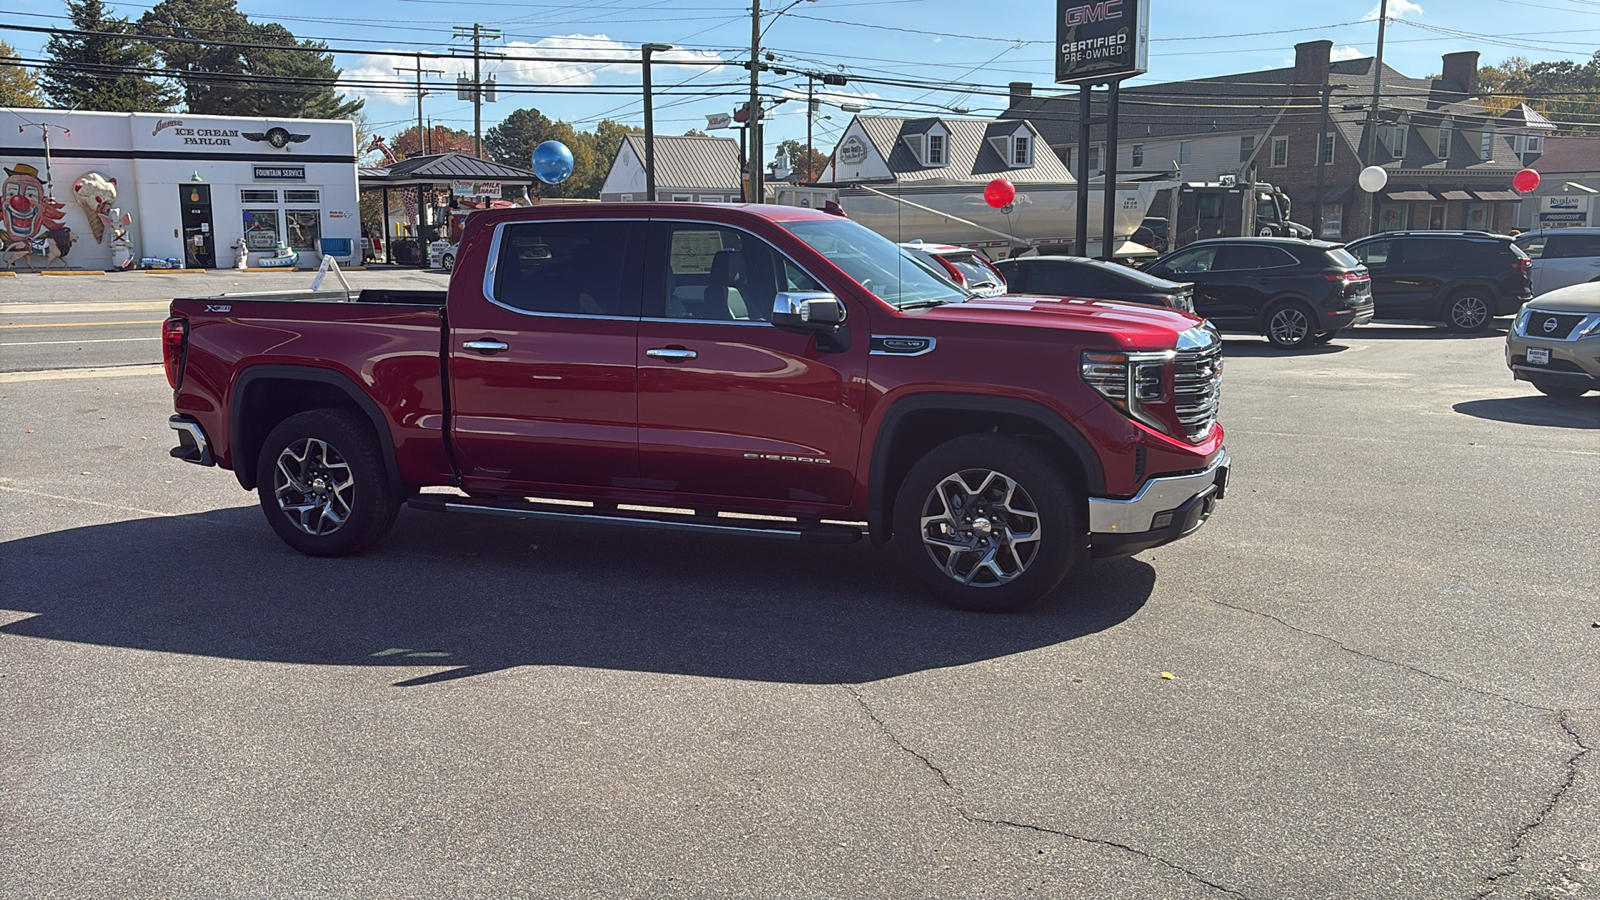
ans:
(754, 124)
(1372, 114)
(1322, 153)
(811, 109)
(478, 33)
(422, 141)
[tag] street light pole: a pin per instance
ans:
(649, 122)
(1372, 115)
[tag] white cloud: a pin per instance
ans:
(1398, 9)
(563, 61)
(1346, 52)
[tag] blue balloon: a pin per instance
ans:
(552, 162)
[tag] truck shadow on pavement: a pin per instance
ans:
(451, 597)
(1239, 347)
(1580, 412)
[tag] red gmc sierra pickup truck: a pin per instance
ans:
(756, 370)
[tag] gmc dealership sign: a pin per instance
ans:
(1101, 40)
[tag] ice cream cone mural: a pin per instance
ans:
(95, 193)
(25, 211)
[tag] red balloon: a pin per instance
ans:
(1525, 181)
(999, 193)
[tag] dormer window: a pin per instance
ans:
(1394, 138)
(1021, 150)
(1444, 143)
(933, 155)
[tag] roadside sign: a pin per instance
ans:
(719, 120)
(1101, 40)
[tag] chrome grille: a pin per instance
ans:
(1197, 381)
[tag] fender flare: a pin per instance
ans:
(345, 384)
(878, 516)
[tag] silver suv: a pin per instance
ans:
(1562, 257)
(1555, 341)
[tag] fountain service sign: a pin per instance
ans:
(1101, 41)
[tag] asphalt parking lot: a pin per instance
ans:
(1384, 650)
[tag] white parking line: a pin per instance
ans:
(91, 341)
(62, 374)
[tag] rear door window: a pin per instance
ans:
(1341, 257)
(570, 268)
(1254, 256)
(1534, 247)
(1572, 246)
(1428, 251)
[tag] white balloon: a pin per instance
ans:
(1372, 179)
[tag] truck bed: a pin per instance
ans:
(387, 296)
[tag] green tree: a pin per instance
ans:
(17, 85)
(808, 165)
(310, 94)
(1563, 91)
(100, 65)
(511, 142)
(229, 65)
(607, 137)
(210, 70)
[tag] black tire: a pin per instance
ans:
(1561, 391)
(332, 497)
(1003, 575)
(1468, 311)
(448, 263)
(1290, 325)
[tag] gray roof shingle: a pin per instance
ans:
(972, 158)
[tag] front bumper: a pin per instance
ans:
(1164, 510)
(1574, 357)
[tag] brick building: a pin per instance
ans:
(1450, 163)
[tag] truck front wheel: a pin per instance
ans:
(988, 522)
(323, 485)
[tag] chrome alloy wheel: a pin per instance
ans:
(313, 486)
(1289, 326)
(980, 527)
(1469, 312)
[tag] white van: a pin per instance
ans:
(1562, 257)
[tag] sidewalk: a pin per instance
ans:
(33, 288)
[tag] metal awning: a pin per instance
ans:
(1455, 195)
(441, 168)
(1409, 195)
(1498, 195)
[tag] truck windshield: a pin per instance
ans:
(875, 263)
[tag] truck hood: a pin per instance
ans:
(1131, 325)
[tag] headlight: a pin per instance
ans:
(1520, 326)
(1592, 328)
(1129, 380)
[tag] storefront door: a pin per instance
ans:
(199, 240)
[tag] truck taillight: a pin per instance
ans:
(1136, 383)
(955, 273)
(174, 341)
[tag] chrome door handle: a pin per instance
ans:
(671, 353)
(487, 346)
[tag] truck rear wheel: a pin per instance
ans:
(323, 485)
(988, 522)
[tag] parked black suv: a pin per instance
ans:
(1293, 291)
(1461, 278)
(1072, 276)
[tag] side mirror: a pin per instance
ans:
(808, 311)
(813, 313)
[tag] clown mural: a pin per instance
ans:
(26, 213)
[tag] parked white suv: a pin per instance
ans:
(1562, 257)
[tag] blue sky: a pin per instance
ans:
(965, 41)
